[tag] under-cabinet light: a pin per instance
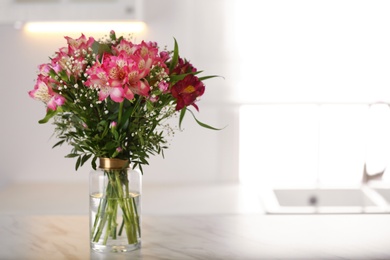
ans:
(85, 27)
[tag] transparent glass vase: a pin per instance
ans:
(115, 207)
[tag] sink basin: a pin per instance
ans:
(327, 200)
(385, 193)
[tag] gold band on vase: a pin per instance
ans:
(113, 163)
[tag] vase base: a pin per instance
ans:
(115, 248)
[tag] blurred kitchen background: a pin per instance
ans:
(303, 100)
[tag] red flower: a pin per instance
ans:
(182, 67)
(186, 91)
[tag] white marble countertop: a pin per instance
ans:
(226, 236)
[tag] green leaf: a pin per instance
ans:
(149, 105)
(93, 163)
(63, 75)
(175, 57)
(95, 47)
(125, 124)
(125, 118)
(59, 143)
(182, 114)
(85, 158)
(141, 139)
(100, 49)
(203, 124)
(49, 114)
(114, 154)
(115, 133)
(78, 163)
(208, 77)
(175, 78)
(140, 168)
(72, 155)
(110, 145)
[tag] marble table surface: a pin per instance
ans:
(225, 236)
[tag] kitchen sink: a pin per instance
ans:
(324, 200)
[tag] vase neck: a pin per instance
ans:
(113, 163)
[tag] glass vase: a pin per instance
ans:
(115, 207)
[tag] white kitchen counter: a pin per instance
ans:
(236, 236)
(207, 222)
(55, 198)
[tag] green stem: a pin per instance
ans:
(136, 106)
(120, 112)
(108, 230)
(114, 224)
(121, 228)
(95, 223)
(136, 216)
(131, 236)
(117, 196)
(103, 219)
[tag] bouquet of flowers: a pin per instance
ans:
(111, 98)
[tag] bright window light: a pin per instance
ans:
(278, 144)
(311, 69)
(85, 27)
(312, 51)
(313, 144)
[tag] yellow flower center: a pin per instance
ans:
(189, 89)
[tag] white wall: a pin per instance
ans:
(268, 52)
(313, 51)
(196, 155)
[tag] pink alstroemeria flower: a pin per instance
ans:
(44, 69)
(144, 57)
(148, 51)
(117, 68)
(140, 66)
(74, 66)
(140, 87)
(43, 92)
(123, 74)
(135, 83)
(124, 46)
(77, 46)
(61, 60)
(99, 79)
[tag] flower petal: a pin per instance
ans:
(117, 94)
